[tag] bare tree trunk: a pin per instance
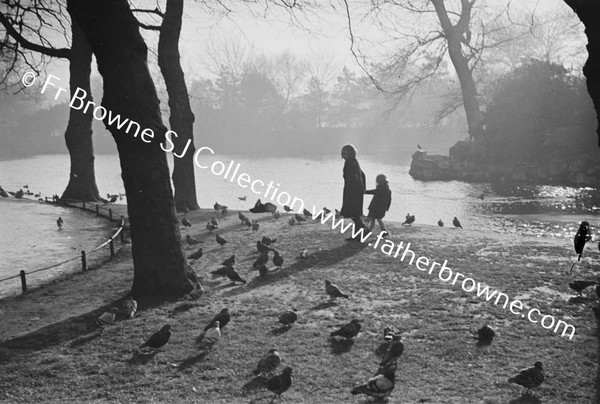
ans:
(182, 118)
(454, 36)
(160, 268)
(78, 136)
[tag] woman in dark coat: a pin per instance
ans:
(354, 188)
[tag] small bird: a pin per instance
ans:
(306, 213)
(261, 260)
(410, 219)
(159, 338)
(224, 212)
(303, 254)
(333, 291)
(235, 277)
(248, 223)
(214, 221)
(186, 222)
(260, 246)
(338, 214)
(581, 237)
(579, 285)
(379, 386)
(456, 222)
(213, 334)
(223, 317)
(267, 240)
(255, 226)
(59, 222)
(229, 261)
(440, 223)
(277, 259)
(299, 218)
(262, 270)
(242, 217)
(276, 215)
(348, 331)
(129, 307)
(482, 196)
(390, 332)
(281, 383)
(113, 198)
(288, 318)
(220, 240)
(420, 148)
(190, 240)
(268, 363)
(218, 206)
(394, 352)
(326, 211)
(196, 255)
(485, 335)
(292, 221)
(242, 198)
(108, 317)
(210, 226)
(529, 378)
(287, 208)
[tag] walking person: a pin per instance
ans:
(354, 189)
(382, 199)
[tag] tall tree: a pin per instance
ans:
(160, 267)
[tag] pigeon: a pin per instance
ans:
(213, 334)
(242, 198)
(281, 383)
(107, 317)
(580, 285)
(222, 317)
(224, 212)
(380, 386)
(390, 332)
(267, 240)
(197, 292)
(581, 237)
(395, 350)
(261, 260)
(303, 254)
(196, 255)
(218, 206)
(26, 186)
(348, 331)
(190, 240)
(456, 222)
(333, 291)
(306, 213)
(242, 217)
(486, 334)
(338, 214)
(186, 222)
(440, 223)
(248, 223)
(113, 198)
(159, 338)
(410, 219)
(288, 318)
(292, 221)
(220, 240)
(129, 307)
(262, 270)
(262, 247)
(229, 261)
(255, 226)
(277, 260)
(326, 211)
(59, 222)
(268, 363)
(299, 218)
(276, 215)
(235, 277)
(287, 208)
(214, 221)
(210, 226)
(529, 378)
(420, 148)
(482, 196)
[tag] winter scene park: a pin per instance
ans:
(299, 201)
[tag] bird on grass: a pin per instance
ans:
(190, 240)
(108, 317)
(268, 363)
(485, 335)
(299, 218)
(255, 226)
(287, 208)
(261, 260)
(276, 215)
(482, 196)
(224, 212)
(129, 307)
(529, 378)
(288, 318)
(410, 219)
(242, 217)
(186, 222)
(292, 221)
(303, 254)
(159, 338)
(394, 352)
(267, 240)
(262, 247)
(223, 317)
(262, 270)
(326, 211)
(229, 261)
(60, 222)
(347, 331)
(281, 383)
(196, 255)
(306, 213)
(248, 223)
(234, 276)
(379, 386)
(218, 206)
(338, 214)
(214, 221)
(581, 237)
(242, 198)
(579, 285)
(220, 240)
(456, 222)
(210, 226)
(277, 259)
(213, 334)
(440, 223)
(333, 291)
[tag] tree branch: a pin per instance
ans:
(59, 53)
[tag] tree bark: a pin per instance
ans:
(78, 135)
(182, 118)
(160, 267)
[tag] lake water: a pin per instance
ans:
(30, 238)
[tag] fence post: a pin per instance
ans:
(96, 209)
(112, 247)
(122, 229)
(83, 261)
(46, 198)
(110, 214)
(83, 204)
(23, 281)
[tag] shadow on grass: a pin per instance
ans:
(280, 330)
(257, 383)
(526, 399)
(192, 360)
(182, 308)
(84, 339)
(141, 358)
(323, 306)
(340, 346)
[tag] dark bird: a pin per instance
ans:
(281, 383)
(410, 219)
(261, 260)
(287, 208)
(262, 270)
(218, 206)
(394, 352)
(260, 246)
(108, 317)
(242, 217)
(129, 307)
(580, 285)
(440, 223)
(255, 226)
(390, 332)
(277, 260)
(288, 318)
(292, 222)
(19, 194)
(186, 222)
(224, 212)
(379, 386)
(159, 338)
(210, 226)
(222, 317)
(248, 223)
(456, 222)
(348, 331)
(420, 148)
(268, 363)
(196, 255)
(268, 241)
(305, 212)
(113, 198)
(26, 186)
(486, 334)
(276, 215)
(338, 214)
(482, 196)
(326, 211)
(214, 221)
(333, 291)
(59, 222)
(242, 198)
(529, 378)
(299, 218)
(190, 240)
(581, 237)
(220, 240)
(235, 277)
(229, 261)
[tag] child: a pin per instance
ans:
(382, 199)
